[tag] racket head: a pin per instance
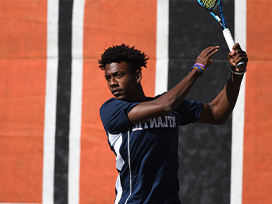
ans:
(208, 4)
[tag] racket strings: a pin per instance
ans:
(208, 4)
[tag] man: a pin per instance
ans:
(143, 131)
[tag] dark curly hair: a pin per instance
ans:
(123, 53)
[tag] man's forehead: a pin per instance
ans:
(115, 67)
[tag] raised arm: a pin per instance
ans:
(218, 111)
(166, 103)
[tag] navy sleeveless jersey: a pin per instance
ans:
(148, 168)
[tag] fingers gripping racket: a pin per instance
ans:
(210, 5)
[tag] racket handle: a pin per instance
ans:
(228, 38)
(230, 43)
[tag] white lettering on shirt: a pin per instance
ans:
(168, 121)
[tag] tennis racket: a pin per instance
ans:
(211, 5)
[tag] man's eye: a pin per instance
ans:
(119, 75)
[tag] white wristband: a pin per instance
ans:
(238, 73)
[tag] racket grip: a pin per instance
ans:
(228, 38)
(230, 43)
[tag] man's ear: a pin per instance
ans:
(138, 75)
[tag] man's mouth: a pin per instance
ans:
(116, 92)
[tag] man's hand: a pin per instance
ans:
(205, 56)
(237, 55)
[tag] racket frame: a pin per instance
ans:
(226, 32)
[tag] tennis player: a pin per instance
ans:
(143, 131)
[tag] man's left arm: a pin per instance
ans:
(219, 110)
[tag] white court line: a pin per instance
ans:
(76, 102)
(50, 102)
(238, 112)
(161, 80)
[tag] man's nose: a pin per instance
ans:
(113, 81)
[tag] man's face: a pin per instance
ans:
(121, 80)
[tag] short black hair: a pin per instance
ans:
(123, 53)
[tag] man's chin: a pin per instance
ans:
(120, 97)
